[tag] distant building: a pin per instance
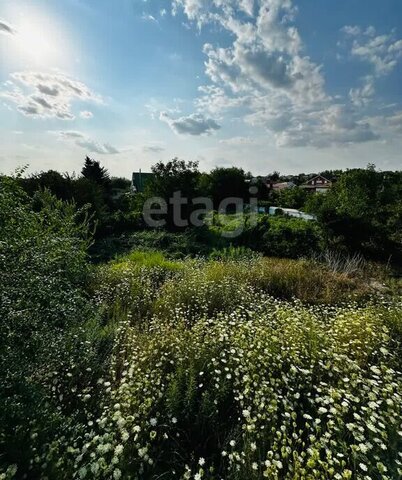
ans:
(139, 181)
(317, 184)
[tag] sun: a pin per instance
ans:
(39, 40)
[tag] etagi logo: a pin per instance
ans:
(200, 211)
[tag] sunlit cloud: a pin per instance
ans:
(87, 143)
(86, 114)
(41, 95)
(194, 124)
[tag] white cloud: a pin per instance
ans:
(362, 96)
(42, 95)
(149, 18)
(194, 124)
(215, 100)
(6, 28)
(391, 124)
(395, 121)
(381, 51)
(247, 6)
(238, 141)
(336, 125)
(265, 73)
(352, 30)
(87, 143)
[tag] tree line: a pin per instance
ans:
(362, 212)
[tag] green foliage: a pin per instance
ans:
(362, 213)
(292, 198)
(60, 185)
(233, 253)
(109, 200)
(43, 316)
(171, 177)
(192, 242)
(283, 237)
(147, 259)
(209, 374)
(225, 183)
(93, 171)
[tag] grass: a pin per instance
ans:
(148, 259)
(238, 367)
(226, 381)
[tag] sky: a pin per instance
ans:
(287, 85)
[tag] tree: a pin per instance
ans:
(59, 184)
(95, 173)
(227, 182)
(362, 212)
(292, 197)
(274, 176)
(171, 178)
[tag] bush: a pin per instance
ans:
(283, 237)
(193, 242)
(44, 315)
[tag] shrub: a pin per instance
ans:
(283, 237)
(44, 313)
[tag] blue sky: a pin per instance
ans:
(288, 85)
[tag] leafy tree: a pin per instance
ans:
(87, 192)
(362, 212)
(292, 198)
(228, 182)
(169, 179)
(274, 176)
(59, 184)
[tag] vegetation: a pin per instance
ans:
(197, 354)
(360, 215)
(48, 352)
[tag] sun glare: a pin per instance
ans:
(39, 41)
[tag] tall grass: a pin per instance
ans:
(237, 368)
(268, 389)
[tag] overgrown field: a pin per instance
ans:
(213, 377)
(235, 367)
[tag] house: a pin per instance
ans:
(317, 184)
(139, 181)
(291, 212)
